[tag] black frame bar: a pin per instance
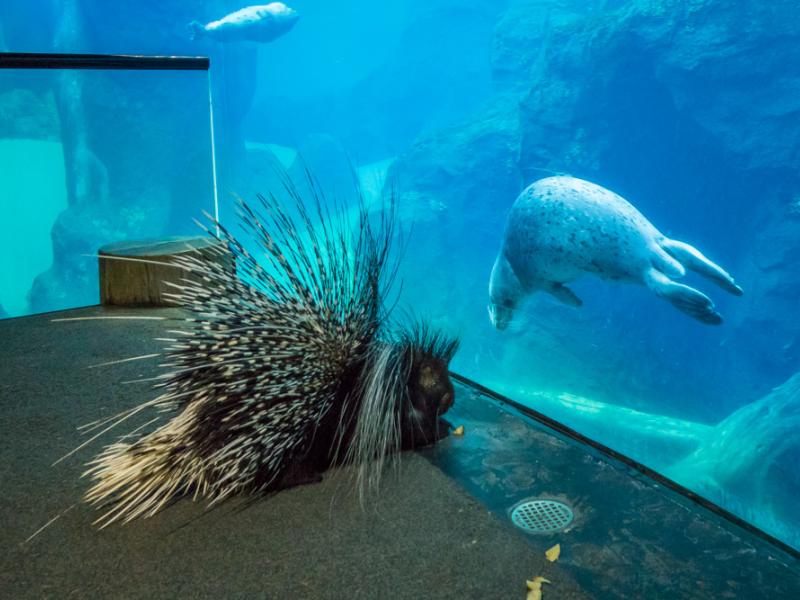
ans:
(36, 60)
(633, 464)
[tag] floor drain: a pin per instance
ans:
(541, 516)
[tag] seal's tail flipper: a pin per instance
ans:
(686, 299)
(196, 30)
(692, 258)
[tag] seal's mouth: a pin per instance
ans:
(500, 316)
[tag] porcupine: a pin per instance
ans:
(282, 369)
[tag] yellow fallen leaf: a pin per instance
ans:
(553, 553)
(459, 431)
(535, 588)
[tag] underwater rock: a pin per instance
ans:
(77, 235)
(324, 156)
(29, 114)
(462, 167)
(520, 45)
(658, 440)
(437, 73)
(72, 279)
(68, 282)
(264, 163)
(687, 108)
(443, 183)
(27, 26)
(749, 460)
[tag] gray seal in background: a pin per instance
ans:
(263, 23)
(561, 228)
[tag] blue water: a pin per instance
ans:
(688, 110)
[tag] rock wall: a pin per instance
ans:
(749, 462)
(686, 109)
(438, 71)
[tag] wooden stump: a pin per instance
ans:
(132, 283)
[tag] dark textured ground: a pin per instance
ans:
(424, 538)
(429, 535)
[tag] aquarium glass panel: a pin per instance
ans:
(92, 157)
(625, 319)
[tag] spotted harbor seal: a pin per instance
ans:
(262, 23)
(562, 227)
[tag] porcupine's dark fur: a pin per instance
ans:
(283, 369)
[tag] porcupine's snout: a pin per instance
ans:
(431, 395)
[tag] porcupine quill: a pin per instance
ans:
(283, 368)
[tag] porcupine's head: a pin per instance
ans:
(405, 388)
(430, 391)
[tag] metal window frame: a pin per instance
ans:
(37, 60)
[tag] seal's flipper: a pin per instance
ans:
(196, 30)
(694, 260)
(664, 262)
(686, 299)
(564, 294)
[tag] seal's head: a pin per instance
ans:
(283, 12)
(505, 291)
(281, 17)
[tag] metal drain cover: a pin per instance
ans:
(541, 516)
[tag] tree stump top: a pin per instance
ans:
(166, 246)
(143, 281)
